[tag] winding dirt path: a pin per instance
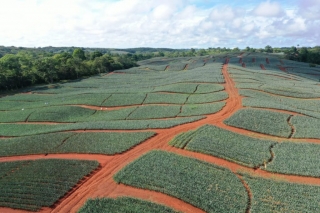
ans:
(102, 184)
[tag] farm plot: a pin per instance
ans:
(60, 114)
(207, 98)
(33, 129)
(15, 116)
(208, 88)
(262, 121)
(225, 144)
(206, 186)
(123, 204)
(166, 98)
(177, 88)
(269, 195)
(124, 100)
(31, 185)
(263, 100)
(296, 158)
(119, 114)
(94, 143)
(103, 143)
(201, 109)
(152, 112)
(306, 127)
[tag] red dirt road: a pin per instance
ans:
(101, 184)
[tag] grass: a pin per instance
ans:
(31, 185)
(225, 144)
(206, 186)
(262, 121)
(123, 204)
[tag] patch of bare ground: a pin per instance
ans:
(262, 67)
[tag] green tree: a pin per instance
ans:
(78, 53)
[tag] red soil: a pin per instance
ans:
(240, 61)
(102, 184)
(267, 61)
(186, 67)
(262, 67)
(243, 64)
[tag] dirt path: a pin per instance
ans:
(103, 185)
(262, 67)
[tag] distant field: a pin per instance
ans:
(229, 132)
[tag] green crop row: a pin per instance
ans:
(296, 158)
(225, 144)
(269, 195)
(201, 109)
(108, 143)
(33, 129)
(262, 121)
(123, 204)
(207, 98)
(206, 186)
(32, 185)
(152, 112)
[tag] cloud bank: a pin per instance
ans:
(166, 23)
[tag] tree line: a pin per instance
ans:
(25, 67)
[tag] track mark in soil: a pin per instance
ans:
(262, 67)
(267, 61)
(246, 186)
(185, 67)
(293, 129)
(64, 141)
(105, 100)
(27, 119)
(142, 103)
(167, 67)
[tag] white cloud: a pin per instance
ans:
(166, 23)
(268, 9)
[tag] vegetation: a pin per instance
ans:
(263, 121)
(306, 127)
(211, 188)
(33, 129)
(29, 67)
(296, 158)
(225, 144)
(31, 185)
(201, 109)
(207, 98)
(269, 195)
(94, 143)
(123, 204)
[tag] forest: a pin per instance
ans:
(22, 67)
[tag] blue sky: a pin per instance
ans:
(161, 23)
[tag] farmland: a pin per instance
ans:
(233, 132)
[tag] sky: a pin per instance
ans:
(160, 23)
